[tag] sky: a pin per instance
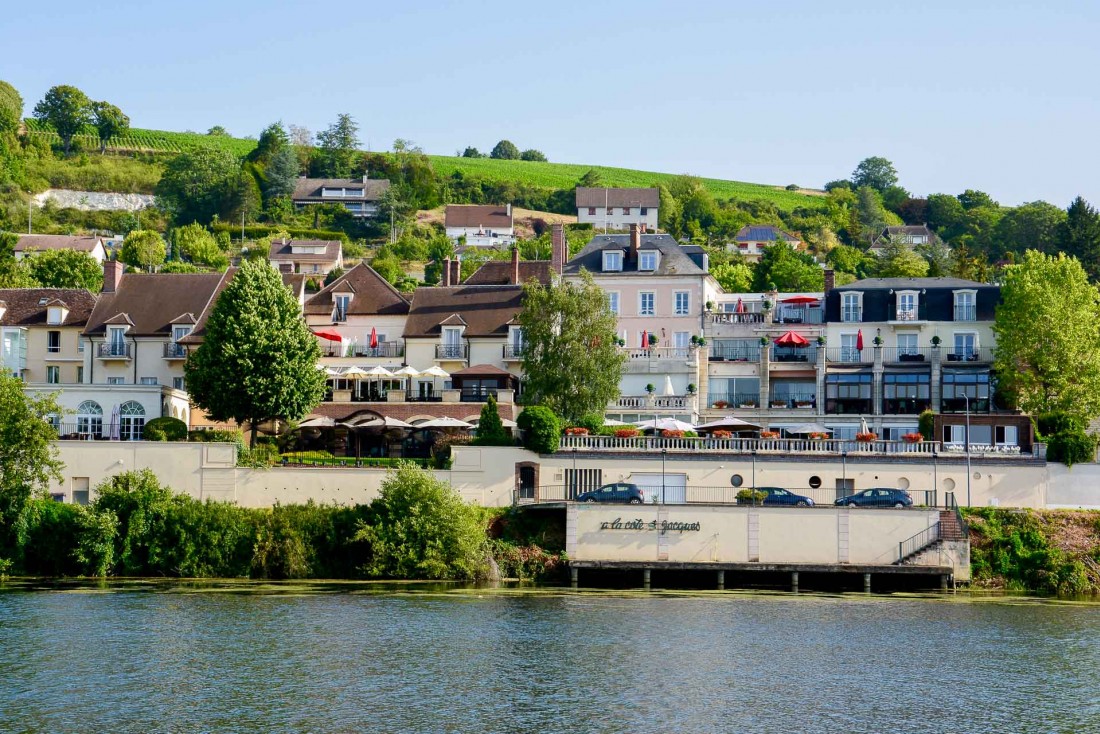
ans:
(997, 96)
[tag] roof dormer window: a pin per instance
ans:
(612, 261)
(647, 260)
(341, 302)
(55, 315)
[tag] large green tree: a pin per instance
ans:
(65, 269)
(11, 108)
(337, 146)
(13, 273)
(281, 174)
(570, 357)
(733, 277)
(198, 185)
(67, 110)
(1079, 236)
(257, 343)
(787, 270)
(1031, 226)
(194, 243)
(1048, 336)
(505, 150)
(876, 172)
(109, 122)
(143, 249)
(897, 259)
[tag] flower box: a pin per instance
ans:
(819, 436)
(769, 434)
(720, 404)
(866, 437)
(913, 437)
(670, 433)
(576, 431)
(747, 405)
(721, 434)
(627, 433)
(778, 404)
(803, 404)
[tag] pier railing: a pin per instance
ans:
(746, 445)
(708, 495)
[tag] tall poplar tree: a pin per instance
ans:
(1080, 236)
(257, 361)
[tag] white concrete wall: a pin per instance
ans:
(617, 220)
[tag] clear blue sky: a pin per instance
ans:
(998, 96)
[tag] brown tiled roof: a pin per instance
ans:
(477, 215)
(308, 190)
(499, 272)
(27, 306)
(617, 197)
(296, 282)
(152, 300)
(485, 309)
(372, 294)
(82, 243)
(282, 251)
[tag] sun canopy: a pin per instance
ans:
(354, 373)
(800, 299)
(321, 422)
(383, 422)
(503, 421)
(407, 371)
(444, 422)
(379, 371)
(332, 336)
(613, 422)
(664, 424)
(807, 428)
(729, 423)
(435, 371)
(791, 339)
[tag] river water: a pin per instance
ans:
(416, 659)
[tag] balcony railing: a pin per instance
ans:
(805, 355)
(966, 313)
(959, 405)
(730, 400)
(114, 350)
(849, 355)
(904, 406)
(787, 315)
(172, 350)
(736, 318)
(793, 401)
(907, 313)
(658, 353)
(849, 406)
(513, 351)
(748, 445)
(452, 351)
(723, 353)
(646, 402)
(907, 354)
(968, 354)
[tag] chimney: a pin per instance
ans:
(515, 265)
(557, 248)
(364, 177)
(445, 276)
(508, 209)
(456, 272)
(635, 240)
(112, 275)
(830, 280)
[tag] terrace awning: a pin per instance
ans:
(791, 339)
(800, 299)
(331, 336)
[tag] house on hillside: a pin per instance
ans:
(481, 225)
(606, 208)
(313, 257)
(912, 235)
(28, 243)
(361, 197)
(751, 240)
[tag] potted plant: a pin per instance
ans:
(702, 341)
(748, 404)
(749, 496)
(653, 340)
(821, 341)
(626, 432)
(769, 434)
(878, 341)
(691, 388)
(710, 306)
(694, 340)
(650, 388)
(936, 341)
(779, 403)
(767, 305)
(720, 404)
(913, 437)
(721, 434)
(868, 437)
(763, 341)
(818, 436)
(620, 341)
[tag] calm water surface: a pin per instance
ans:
(400, 660)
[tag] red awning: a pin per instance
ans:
(791, 339)
(332, 336)
(800, 299)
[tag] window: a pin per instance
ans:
(681, 340)
(646, 304)
(179, 332)
(907, 306)
(954, 434)
(178, 384)
(966, 347)
(965, 309)
(53, 374)
(79, 344)
(848, 393)
(612, 261)
(131, 421)
(735, 392)
(647, 260)
(626, 210)
(80, 374)
(341, 312)
(610, 211)
(149, 381)
(1007, 436)
(591, 211)
(613, 302)
(89, 419)
(963, 389)
(851, 307)
(682, 301)
(905, 393)
(907, 344)
(53, 342)
(848, 351)
(116, 380)
(644, 211)
(54, 315)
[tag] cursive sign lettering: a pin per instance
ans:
(661, 526)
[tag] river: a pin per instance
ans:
(349, 658)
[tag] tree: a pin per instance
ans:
(143, 249)
(876, 172)
(1048, 337)
(940, 258)
(570, 353)
(217, 130)
(848, 259)
(65, 269)
(197, 185)
(337, 145)
(197, 245)
(871, 212)
(257, 342)
(13, 273)
(11, 108)
(591, 179)
(28, 459)
(301, 139)
(973, 199)
(733, 277)
(67, 110)
(490, 428)
(838, 183)
(420, 528)
(281, 174)
(472, 152)
(109, 122)
(785, 269)
(897, 259)
(505, 150)
(533, 155)
(1032, 226)
(272, 140)
(1080, 236)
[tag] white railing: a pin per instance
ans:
(645, 402)
(748, 445)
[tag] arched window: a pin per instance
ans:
(132, 421)
(89, 419)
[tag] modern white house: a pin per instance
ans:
(606, 208)
(480, 225)
(360, 196)
(751, 240)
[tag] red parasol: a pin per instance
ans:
(645, 339)
(740, 306)
(373, 338)
(332, 336)
(859, 340)
(800, 299)
(791, 339)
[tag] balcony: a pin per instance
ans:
(453, 352)
(800, 355)
(660, 359)
(736, 318)
(959, 405)
(793, 401)
(906, 354)
(907, 314)
(384, 349)
(730, 400)
(966, 313)
(741, 353)
(513, 352)
(172, 350)
(113, 350)
(904, 406)
(849, 406)
(779, 446)
(848, 355)
(789, 315)
(650, 402)
(969, 354)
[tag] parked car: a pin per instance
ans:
(620, 493)
(777, 496)
(878, 497)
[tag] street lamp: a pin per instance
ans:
(843, 472)
(935, 478)
(754, 469)
(966, 397)
(664, 452)
(573, 478)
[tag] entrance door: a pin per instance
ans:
(527, 482)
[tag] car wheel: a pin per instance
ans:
(590, 499)
(899, 504)
(801, 503)
(852, 504)
(635, 501)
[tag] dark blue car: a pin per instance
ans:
(878, 497)
(622, 493)
(779, 497)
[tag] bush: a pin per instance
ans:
(750, 496)
(1049, 424)
(165, 429)
(927, 424)
(215, 436)
(1071, 447)
(541, 429)
(593, 422)
(490, 429)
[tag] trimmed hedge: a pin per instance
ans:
(165, 429)
(541, 429)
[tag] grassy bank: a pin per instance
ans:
(1036, 551)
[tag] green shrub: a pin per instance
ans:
(490, 428)
(215, 436)
(926, 424)
(592, 421)
(259, 457)
(1049, 424)
(165, 429)
(541, 429)
(749, 496)
(1071, 447)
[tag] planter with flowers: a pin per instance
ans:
(818, 436)
(576, 431)
(868, 437)
(720, 404)
(721, 434)
(627, 433)
(672, 433)
(769, 434)
(913, 437)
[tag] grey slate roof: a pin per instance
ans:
(617, 197)
(675, 258)
(308, 190)
(906, 283)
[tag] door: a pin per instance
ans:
(527, 482)
(965, 345)
(675, 487)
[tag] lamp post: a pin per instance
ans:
(843, 472)
(573, 478)
(935, 478)
(754, 469)
(664, 452)
(968, 472)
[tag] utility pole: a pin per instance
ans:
(242, 227)
(30, 208)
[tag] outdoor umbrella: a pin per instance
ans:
(800, 299)
(664, 424)
(114, 430)
(444, 422)
(645, 339)
(863, 426)
(669, 390)
(859, 340)
(730, 422)
(791, 339)
(436, 371)
(379, 371)
(373, 338)
(503, 421)
(383, 422)
(321, 422)
(407, 371)
(354, 373)
(613, 422)
(808, 428)
(331, 336)
(740, 306)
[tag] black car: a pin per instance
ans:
(779, 497)
(878, 497)
(621, 493)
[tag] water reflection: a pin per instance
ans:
(302, 657)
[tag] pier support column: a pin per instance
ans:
(645, 578)
(721, 580)
(866, 583)
(574, 574)
(943, 582)
(794, 582)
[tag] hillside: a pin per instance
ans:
(545, 175)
